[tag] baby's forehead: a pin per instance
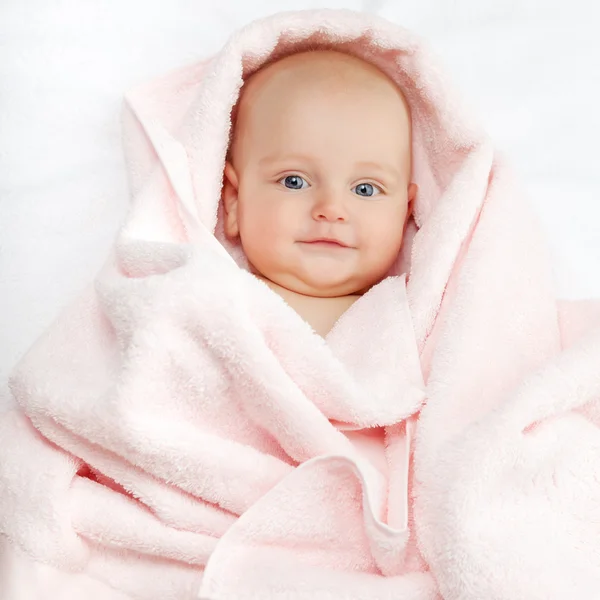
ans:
(319, 77)
(313, 74)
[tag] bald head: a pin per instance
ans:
(328, 75)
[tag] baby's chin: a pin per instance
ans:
(323, 286)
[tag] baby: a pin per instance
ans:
(317, 182)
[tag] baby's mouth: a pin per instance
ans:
(326, 243)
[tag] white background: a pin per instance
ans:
(529, 69)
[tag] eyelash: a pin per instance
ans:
(381, 191)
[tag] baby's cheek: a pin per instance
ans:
(387, 230)
(265, 231)
(258, 219)
(280, 222)
(385, 242)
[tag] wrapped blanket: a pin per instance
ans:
(183, 433)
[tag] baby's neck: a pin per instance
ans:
(320, 313)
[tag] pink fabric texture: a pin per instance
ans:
(183, 433)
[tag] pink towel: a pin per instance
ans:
(183, 433)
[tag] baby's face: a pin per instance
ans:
(320, 155)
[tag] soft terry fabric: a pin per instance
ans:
(183, 433)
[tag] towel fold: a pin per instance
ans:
(181, 432)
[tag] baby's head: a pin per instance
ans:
(321, 148)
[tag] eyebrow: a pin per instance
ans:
(274, 158)
(381, 167)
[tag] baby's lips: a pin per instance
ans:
(330, 240)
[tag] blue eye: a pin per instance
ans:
(293, 182)
(366, 189)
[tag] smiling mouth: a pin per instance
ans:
(326, 243)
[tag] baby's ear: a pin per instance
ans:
(229, 196)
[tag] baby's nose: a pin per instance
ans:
(330, 206)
